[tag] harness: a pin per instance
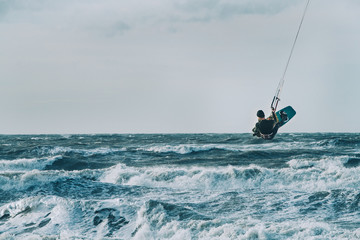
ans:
(266, 129)
(266, 136)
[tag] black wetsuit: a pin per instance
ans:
(267, 128)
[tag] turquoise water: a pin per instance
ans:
(180, 186)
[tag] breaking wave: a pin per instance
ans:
(202, 186)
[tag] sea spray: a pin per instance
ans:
(180, 186)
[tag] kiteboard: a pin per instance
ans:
(290, 112)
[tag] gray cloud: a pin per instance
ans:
(206, 10)
(117, 17)
(4, 8)
(109, 19)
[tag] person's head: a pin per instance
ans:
(260, 114)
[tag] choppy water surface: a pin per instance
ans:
(180, 186)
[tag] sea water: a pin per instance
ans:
(180, 186)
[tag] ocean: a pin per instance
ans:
(180, 186)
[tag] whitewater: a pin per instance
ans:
(180, 186)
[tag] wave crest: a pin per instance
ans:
(26, 164)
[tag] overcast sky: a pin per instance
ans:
(176, 66)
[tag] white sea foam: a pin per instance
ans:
(316, 175)
(74, 218)
(51, 216)
(184, 148)
(39, 138)
(154, 225)
(189, 148)
(99, 151)
(21, 180)
(26, 164)
(311, 197)
(205, 178)
(319, 175)
(85, 152)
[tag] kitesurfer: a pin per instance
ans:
(267, 128)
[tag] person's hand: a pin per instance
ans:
(273, 109)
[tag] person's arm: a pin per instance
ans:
(256, 129)
(273, 114)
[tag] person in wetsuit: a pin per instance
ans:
(267, 128)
